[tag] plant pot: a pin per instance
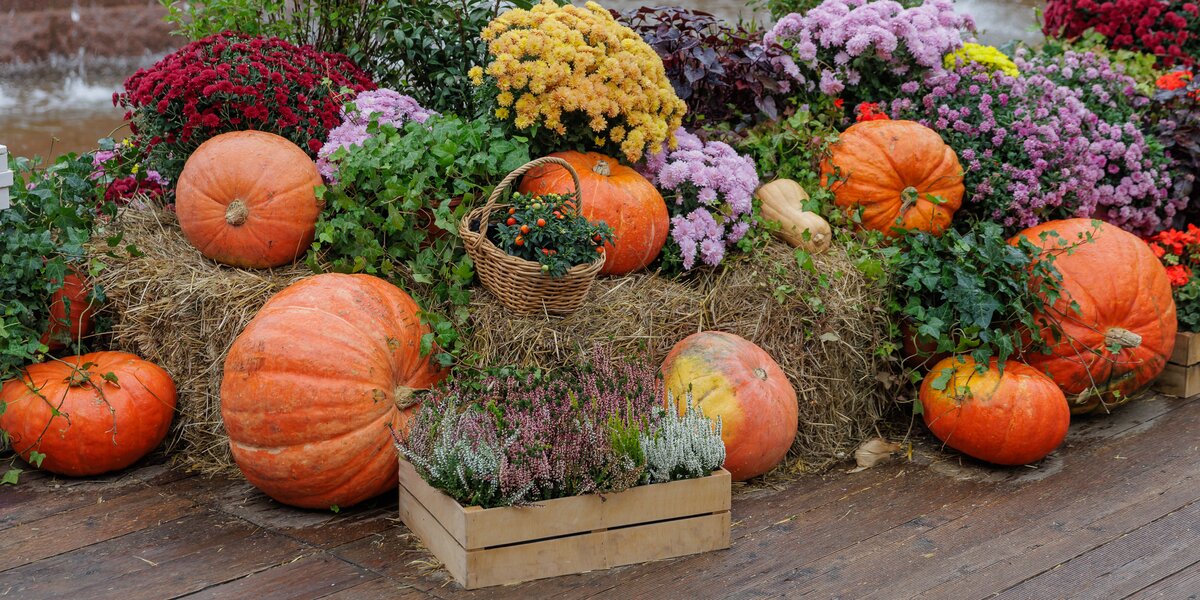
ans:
(496, 546)
(919, 351)
(425, 221)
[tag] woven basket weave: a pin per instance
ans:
(520, 284)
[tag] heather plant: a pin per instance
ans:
(709, 191)
(1167, 29)
(723, 72)
(685, 445)
(382, 106)
(574, 78)
(510, 436)
(866, 49)
(231, 82)
(1032, 150)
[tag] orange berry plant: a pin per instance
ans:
(551, 231)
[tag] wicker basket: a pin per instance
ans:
(520, 284)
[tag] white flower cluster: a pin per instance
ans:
(457, 463)
(684, 446)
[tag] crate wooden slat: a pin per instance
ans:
(6, 178)
(485, 547)
(1181, 377)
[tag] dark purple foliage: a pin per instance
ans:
(723, 72)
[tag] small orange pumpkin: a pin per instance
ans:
(900, 172)
(247, 199)
(71, 313)
(313, 382)
(114, 408)
(1125, 331)
(615, 194)
(1014, 418)
(732, 378)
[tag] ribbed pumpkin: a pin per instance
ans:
(615, 194)
(70, 313)
(732, 378)
(247, 199)
(1124, 296)
(900, 172)
(783, 201)
(312, 383)
(105, 425)
(1014, 418)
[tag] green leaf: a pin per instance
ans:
(943, 379)
(335, 508)
(11, 476)
(36, 458)
(918, 408)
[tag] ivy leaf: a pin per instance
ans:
(11, 476)
(943, 379)
(111, 378)
(36, 458)
(918, 408)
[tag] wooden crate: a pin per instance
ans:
(1181, 377)
(495, 546)
(6, 178)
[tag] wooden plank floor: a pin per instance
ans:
(1113, 514)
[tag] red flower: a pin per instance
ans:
(1179, 275)
(1174, 81)
(869, 111)
(839, 103)
(1157, 250)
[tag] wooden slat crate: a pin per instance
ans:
(495, 546)
(6, 178)
(1181, 377)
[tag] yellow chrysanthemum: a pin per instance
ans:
(579, 65)
(988, 56)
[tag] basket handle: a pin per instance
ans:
(493, 200)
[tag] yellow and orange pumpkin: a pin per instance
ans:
(113, 408)
(1124, 332)
(732, 378)
(615, 194)
(312, 384)
(900, 173)
(248, 199)
(1012, 418)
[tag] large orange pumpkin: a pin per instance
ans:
(248, 199)
(114, 408)
(731, 378)
(1125, 330)
(70, 313)
(615, 194)
(312, 384)
(900, 172)
(1014, 418)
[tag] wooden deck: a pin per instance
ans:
(1114, 514)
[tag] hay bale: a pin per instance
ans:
(822, 326)
(182, 311)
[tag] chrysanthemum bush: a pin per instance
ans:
(575, 78)
(709, 190)
(512, 437)
(1168, 29)
(1179, 251)
(1032, 150)
(867, 49)
(382, 106)
(988, 56)
(229, 82)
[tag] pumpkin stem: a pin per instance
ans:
(236, 213)
(405, 397)
(908, 197)
(1122, 338)
(602, 168)
(760, 373)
